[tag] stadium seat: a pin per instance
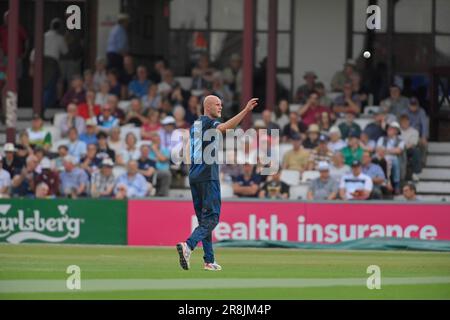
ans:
(118, 171)
(58, 143)
(298, 192)
(124, 105)
(58, 118)
(294, 107)
(226, 190)
(363, 122)
(310, 175)
(369, 110)
(290, 177)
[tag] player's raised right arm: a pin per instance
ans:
(234, 122)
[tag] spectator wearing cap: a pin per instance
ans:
(38, 135)
(71, 120)
(103, 180)
(321, 153)
(297, 158)
(411, 138)
(76, 94)
(294, 128)
(355, 185)
(74, 180)
(139, 86)
(247, 184)
(89, 109)
(130, 152)
(77, 148)
(336, 143)
(11, 162)
(338, 167)
(42, 191)
(99, 73)
(375, 172)
(106, 121)
(366, 143)
(147, 166)
(349, 126)
(395, 147)
(395, 104)
(104, 151)
(232, 75)
(161, 156)
(275, 188)
(348, 101)
(90, 162)
(324, 187)
(49, 177)
(304, 91)
(90, 134)
(5, 181)
(131, 184)
(409, 192)
(117, 45)
(353, 150)
(23, 183)
(312, 137)
(376, 129)
(311, 111)
(165, 133)
(344, 76)
(324, 100)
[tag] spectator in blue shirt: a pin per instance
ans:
(74, 181)
(90, 135)
(117, 45)
(105, 120)
(147, 166)
(376, 173)
(161, 156)
(138, 88)
(77, 148)
(247, 184)
(131, 184)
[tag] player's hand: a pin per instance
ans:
(251, 104)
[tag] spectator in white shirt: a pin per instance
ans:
(411, 138)
(336, 143)
(54, 43)
(5, 181)
(71, 120)
(355, 185)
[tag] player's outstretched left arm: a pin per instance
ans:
(234, 122)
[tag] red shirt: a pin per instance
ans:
(313, 115)
(83, 110)
(22, 36)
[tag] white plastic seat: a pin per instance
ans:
(309, 175)
(58, 118)
(298, 192)
(290, 177)
(118, 171)
(226, 190)
(363, 122)
(124, 105)
(369, 110)
(125, 130)
(58, 143)
(294, 107)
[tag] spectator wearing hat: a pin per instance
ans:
(324, 100)
(338, 167)
(344, 76)
(103, 150)
(11, 162)
(38, 135)
(5, 181)
(353, 151)
(411, 138)
(321, 153)
(376, 129)
(304, 91)
(131, 184)
(324, 187)
(349, 126)
(89, 109)
(103, 180)
(355, 185)
(395, 147)
(23, 183)
(336, 143)
(247, 184)
(76, 94)
(77, 148)
(71, 120)
(74, 180)
(90, 134)
(311, 111)
(297, 158)
(117, 45)
(375, 172)
(312, 137)
(275, 188)
(395, 104)
(410, 192)
(165, 133)
(294, 128)
(49, 177)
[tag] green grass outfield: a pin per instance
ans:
(35, 271)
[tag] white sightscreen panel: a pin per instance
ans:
(188, 14)
(227, 14)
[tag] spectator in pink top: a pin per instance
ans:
(311, 110)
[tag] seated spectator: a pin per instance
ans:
(394, 146)
(130, 152)
(411, 138)
(128, 74)
(152, 100)
(147, 166)
(179, 113)
(269, 124)
(353, 150)
(152, 124)
(419, 121)
(321, 153)
(89, 109)
(101, 97)
(297, 158)
(23, 183)
(366, 143)
(311, 110)
(131, 184)
(106, 121)
(340, 78)
(305, 90)
(5, 181)
(113, 102)
(161, 156)
(134, 115)
(77, 148)
(165, 133)
(114, 84)
(338, 168)
(24, 147)
(281, 114)
(42, 191)
(409, 192)
(375, 172)
(39, 153)
(103, 180)
(178, 96)
(88, 80)
(115, 142)
(103, 150)
(232, 75)
(379, 158)
(324, 187)
(359, 89)
(376, 129)
(349, 126)
(202, 74)
(324, 100)
(193, 109)
(355, 185)
(90, 162)
(49, 177)
(38, 135)
(76, 94)
(139, 86)
(247, 184)
(221, 90)
(312, 137)
(58, 162)
(336, 143)
(158, 67)
(347, 102)
(167, 84)
(324, 122)
(100, 73)
(71, 120)
(275, 188)
(293, 128)
(90, 135)
(12, 163)
(74, 180)
(395, 104)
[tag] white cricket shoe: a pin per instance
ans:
(212, 266)
(185, 254)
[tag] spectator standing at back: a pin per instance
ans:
(118, 43)
(355, 185)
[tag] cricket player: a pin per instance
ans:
(204, 181)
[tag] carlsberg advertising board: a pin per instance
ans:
(63, 221)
